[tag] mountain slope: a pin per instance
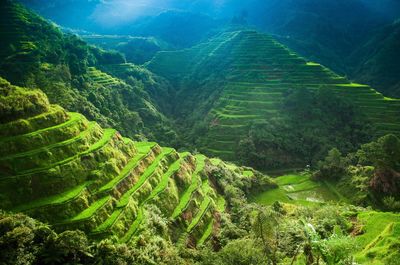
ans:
(137, 50)
(34, 53)
(63, 169)
(247, 78)
(378, 60)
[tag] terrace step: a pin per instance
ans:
(107, 135)
(125, 199)
(59, 151)
(45, 136)
(195, 184)
(161, 186)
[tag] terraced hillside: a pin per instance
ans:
(63, 169)
(35, 53)
(245, 76)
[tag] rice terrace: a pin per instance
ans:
(200, 132)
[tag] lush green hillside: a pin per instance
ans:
(137, 50)
(378, 60)
(61, 168)
(375, 233)
(248, 78)
(34, 53)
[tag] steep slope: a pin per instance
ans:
(245, 76)
(378, 60)
(35, 53)
(324, 31)
(63, 169)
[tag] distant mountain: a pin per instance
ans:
(378, 60)
(328, 32)
(137, 50)
(178, 28)
(325, 31)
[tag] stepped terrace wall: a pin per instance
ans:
(63, 169)
(244, 76)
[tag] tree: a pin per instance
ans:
(384, 155)
(333, 167)
(266, 229)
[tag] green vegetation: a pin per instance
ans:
(35, 53)
(378, 242)
(89, 212)
(369, 176)
(194, 185)
(265, 106)
(99, 182)
(297, 189)
(241, 96)
(137, 50)
(144, 177)
(56, 199)
(207, 233)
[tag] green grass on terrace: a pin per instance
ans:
(109, 222)
(297, 189)
(144, 177)
(202, 210)
(196, 181)
(144, 145)
(54, 200)
(107, 135)
(89, 212)
(39, 121)
(380, 237)
(127, 169)
(165, 178)
(158, 189)
(215, 161)
(247, 173)
(374, 224)
(207, 233)
(55, 145)
(221, 203)
(134, 227)
(352, 85)
(74, 118)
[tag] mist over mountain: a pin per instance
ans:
(109, 15)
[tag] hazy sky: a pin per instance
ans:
(110, 13)
(113, 12)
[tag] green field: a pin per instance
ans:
(297, 189)
(381, 237)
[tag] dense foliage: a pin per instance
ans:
(59, 64)
(312, 122)
(370, 175)
(137, 50)
(256, 235)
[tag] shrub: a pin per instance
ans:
(333, 167)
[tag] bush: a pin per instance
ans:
(333, 167)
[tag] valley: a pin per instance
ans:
(185, 137)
